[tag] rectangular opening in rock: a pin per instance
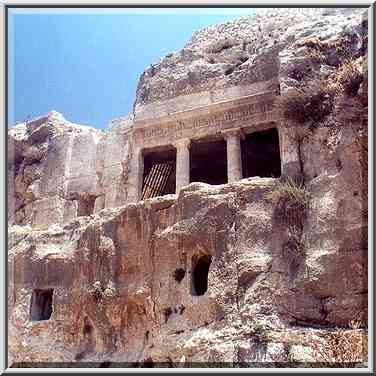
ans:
(261, 155)
(41, 304)
(208, 162)
(86, 205)
(200, 271)
(159, 173)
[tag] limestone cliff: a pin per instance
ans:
(52, 170)
(246, 51)
(285, 259)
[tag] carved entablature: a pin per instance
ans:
(209, 121)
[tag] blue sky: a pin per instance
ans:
(85, 63)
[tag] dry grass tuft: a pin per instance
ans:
(295, 242)
(288, 189)
(347, 79)
(342, 45)
(292, 201)
(342, 348)
(316, 43)
(98, 291)
(309, 104)
(316, 56)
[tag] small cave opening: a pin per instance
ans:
(41, 305)
(105, 364)
(148, 363)
(86, 205)
(261, 154)
(159, 173)
(208, 162)
(88, 342)
(179, 274)
(167, 312)
(87, 329)
(200, 271)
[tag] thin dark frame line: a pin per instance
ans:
(7, 7)
(6, 117)
(188, 6)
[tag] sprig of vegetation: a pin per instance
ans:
(98, 291)
(347, 78)
(342, 348)
(288, 189)
(307, 104)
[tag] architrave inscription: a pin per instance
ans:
(173, 130)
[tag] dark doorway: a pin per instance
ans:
(148, 363)
(200, 271)
(208, 162)
(261, 155)
(86, 204)
(159, 173)
(41, 305)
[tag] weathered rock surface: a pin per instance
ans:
(52, 172)
(250, 50)
(137, 250)
(123, 275)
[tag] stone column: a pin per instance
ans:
(182, 163)
(234, 154)
(135, 176)
(289, 151)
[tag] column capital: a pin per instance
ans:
(183, 143)
(233, 132)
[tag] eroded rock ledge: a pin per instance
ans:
(141, 260)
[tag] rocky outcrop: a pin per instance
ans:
(267, 300)
(139, 262)
(243, 52)
(52, 172)
(60, 170)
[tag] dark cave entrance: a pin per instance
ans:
(200, 271)
(179, 274)
(148, 363)
(159, 173)
(208, 162)
(261, 155)
(41, 305)
(86, 205)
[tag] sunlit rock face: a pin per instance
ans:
(52, 170)
(243, 52)
(231, 272)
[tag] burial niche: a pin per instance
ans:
(208, 162)
(41, 305)
(261, 155)
(159, 173)
(200, 271)
(86, 204)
